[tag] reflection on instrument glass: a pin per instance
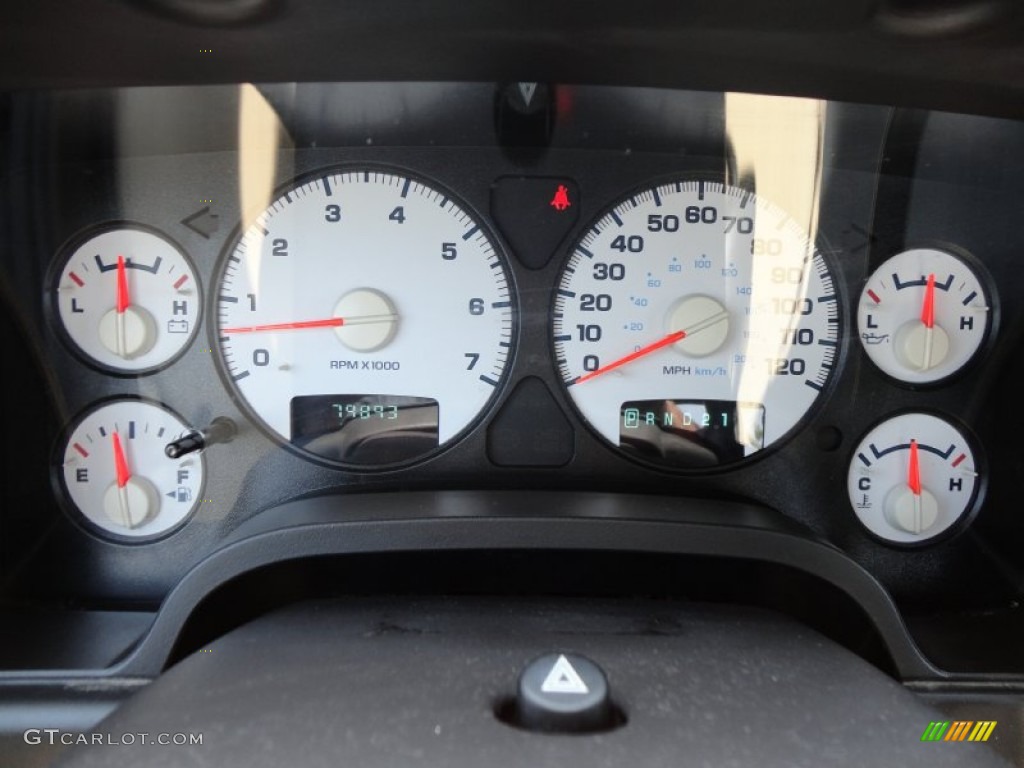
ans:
(693, 433)
(365, 429)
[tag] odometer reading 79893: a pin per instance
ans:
(695, 293)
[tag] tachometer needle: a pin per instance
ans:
(123, 302)
(672, 338)
(330, 322)
(928, 320)
(123, 475)
(914, 482)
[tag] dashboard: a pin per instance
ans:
(485, 359)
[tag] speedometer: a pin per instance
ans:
(365, 317)
(695, 324)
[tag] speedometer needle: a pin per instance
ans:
(330, 322)
(672, 338)
(661, 343)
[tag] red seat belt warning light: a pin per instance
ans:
(560, 201)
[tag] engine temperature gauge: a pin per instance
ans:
(923, 315)
(117, 474)
(128, 299)
(912, 478)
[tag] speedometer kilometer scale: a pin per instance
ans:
(365, 317)
(695, 324)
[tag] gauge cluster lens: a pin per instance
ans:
(366, 318)
(695, 324)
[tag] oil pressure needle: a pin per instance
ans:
(928, 319)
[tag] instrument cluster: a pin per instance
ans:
(229, 328)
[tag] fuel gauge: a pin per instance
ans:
(117, 474)
(912, 478)
(923, 315)
(128, 299)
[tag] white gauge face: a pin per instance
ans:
(128, 299)
(923, 315)
(365, 317)
(695, 324)
(118, 477)
(912, 477)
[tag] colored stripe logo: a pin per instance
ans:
(959, 730)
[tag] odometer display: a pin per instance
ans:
(696, 292)
(362, 287)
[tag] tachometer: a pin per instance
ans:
(365, 317)
(695, 324)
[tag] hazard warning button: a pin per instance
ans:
(564, 692)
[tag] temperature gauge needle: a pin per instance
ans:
(123, 302)
(123, 475)
(914, 482)
(928, 320)
(672, 338)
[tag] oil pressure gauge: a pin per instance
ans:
(128, 299)
(923, 315)
(912, 478)
(118, 476)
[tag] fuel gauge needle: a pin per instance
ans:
(914, 481)
(123, 475)
(928, 319)
(123, 302)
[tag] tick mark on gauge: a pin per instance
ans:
(288, 197)
(501, 304)
(405, 187)
(967, 299)
(469, 233)
(325, 182)
(959, 459)
(239, 376)
(826, 299)
(615, 218)
(228, 299)
(874, 296)
(584, 251)
(180, 282)
(864, 459)
(813, 385)
(81, 450)
(487, 380)
(566, 293)
(76, 280)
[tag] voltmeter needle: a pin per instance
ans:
(123, 302)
